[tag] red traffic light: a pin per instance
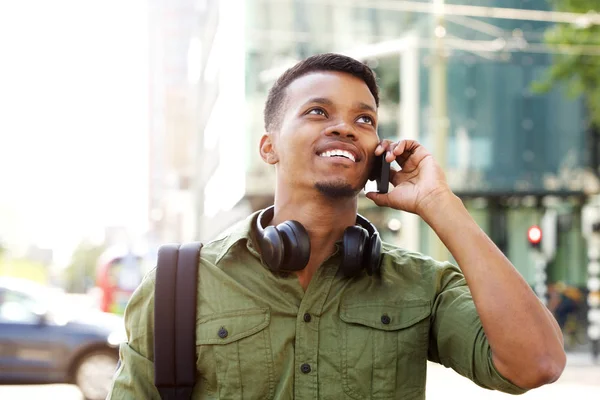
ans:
(534, 234)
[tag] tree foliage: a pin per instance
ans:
(577, 58)
(80, 275)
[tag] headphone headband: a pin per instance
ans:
(267, 214)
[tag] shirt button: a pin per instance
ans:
(305, 368)
(385, 319)
(307, 317)
(223, 333)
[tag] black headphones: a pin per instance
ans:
(286, 247)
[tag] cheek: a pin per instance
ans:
(371, 143)
(297, 139)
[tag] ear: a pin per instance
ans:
(267, 150)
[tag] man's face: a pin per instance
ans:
(328, 134)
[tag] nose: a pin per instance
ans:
(342, 130)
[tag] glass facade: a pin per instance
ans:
(503, 137)
(508, 148)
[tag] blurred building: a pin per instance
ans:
(172, 127)
(217, 72)
(461, 85)
(197, 152)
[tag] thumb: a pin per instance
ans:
(381, 199)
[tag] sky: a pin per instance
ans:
(73, 119)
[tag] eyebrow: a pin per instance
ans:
(365, 107)
(326, 102)
(320, 100)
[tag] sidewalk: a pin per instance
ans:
(581, 370)
(580, 380)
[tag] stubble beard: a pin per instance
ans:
(336, 190)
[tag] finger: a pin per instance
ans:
(409, 149)
(414, 157)
(382, 147)
(381, 199)
(407, 145)
(399, 149)
(389, 157)
(400, 153)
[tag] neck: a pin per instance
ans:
(325, 219)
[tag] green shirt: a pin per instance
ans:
(344, 338)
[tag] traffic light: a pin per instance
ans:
(534, 236)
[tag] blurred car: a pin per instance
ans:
(45, 337)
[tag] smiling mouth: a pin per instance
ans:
(338, 153)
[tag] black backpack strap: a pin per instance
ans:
(164, 319)
(175, 302)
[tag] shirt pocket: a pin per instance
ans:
(234, 354)
(384, 348)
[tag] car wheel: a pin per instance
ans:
(95, 372)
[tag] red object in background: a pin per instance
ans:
(107, 288)
(117, 276)
(534, 235)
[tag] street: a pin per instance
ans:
(580, 380)
(14, 392)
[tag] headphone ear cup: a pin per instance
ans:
(271, 248)
(355, 238)
(373, 255)
(296, 244)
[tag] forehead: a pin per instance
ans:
(339, 87)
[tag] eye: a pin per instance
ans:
(365, 119)
(317, 111)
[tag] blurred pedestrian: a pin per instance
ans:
(563, 302)
(302, 300)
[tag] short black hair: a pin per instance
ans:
(320, 62)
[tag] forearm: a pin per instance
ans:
(526, 342)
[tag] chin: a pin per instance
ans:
(337, 190)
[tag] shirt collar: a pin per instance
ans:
(241, 231)
(245, 230)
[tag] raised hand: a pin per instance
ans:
(418, 185)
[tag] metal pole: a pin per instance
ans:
(438, 92)
(541, 288)
(590, 18)
(591, 230)
(409, 127)
(594, 293)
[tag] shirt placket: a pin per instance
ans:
(307, 333)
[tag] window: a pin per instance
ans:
(18, 308)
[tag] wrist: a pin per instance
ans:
(440, 207)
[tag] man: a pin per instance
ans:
(317, 333)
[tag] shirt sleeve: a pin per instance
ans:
(134, 378)
(457, 339)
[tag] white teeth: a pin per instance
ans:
(338, 152)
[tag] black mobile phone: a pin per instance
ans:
(380, 173)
